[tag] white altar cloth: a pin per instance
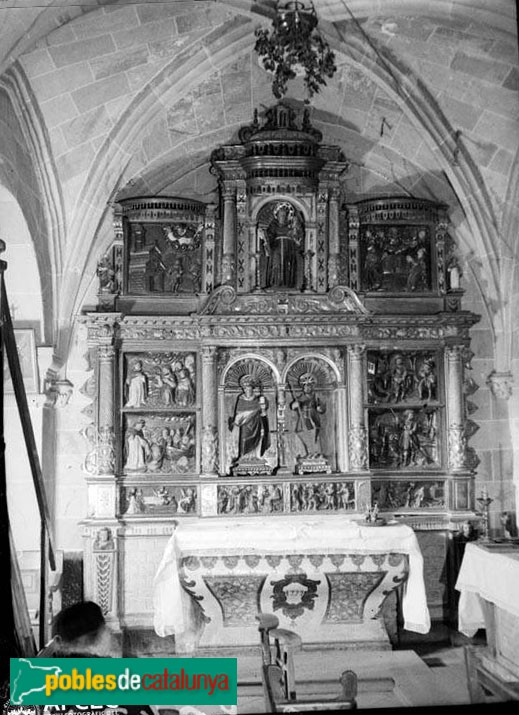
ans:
(489, 575)
(282, 535)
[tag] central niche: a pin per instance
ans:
(249, 420)
(275, 421)
(281, 246)
(310, 439)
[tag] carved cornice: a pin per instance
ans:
(101, 327)
(225, 301)
(228, 315)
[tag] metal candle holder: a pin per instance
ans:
(485, 501)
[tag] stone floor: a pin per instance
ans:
(427, 674)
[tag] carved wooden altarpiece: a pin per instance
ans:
(283, 352)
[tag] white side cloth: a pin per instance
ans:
(282, 535)
(489, 575)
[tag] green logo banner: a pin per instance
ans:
(125, 681)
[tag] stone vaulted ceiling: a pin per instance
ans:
(102, 100)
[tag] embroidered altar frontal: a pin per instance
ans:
(325, 581)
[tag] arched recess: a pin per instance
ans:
(265, 377)
(391, 74)
(28, 171)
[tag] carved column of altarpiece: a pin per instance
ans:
(284, 352)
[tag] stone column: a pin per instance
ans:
(209, 413)
(456, 420)
(229, 231)
(280, 419)
(342, 428)
(354, 249)
(333, 233)
(106, 388)
(357, 434)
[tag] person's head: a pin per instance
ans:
(247, 384)
(82, 628)
(307, 382)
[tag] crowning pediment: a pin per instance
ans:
(226, 301)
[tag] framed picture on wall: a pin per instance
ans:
(26, 344)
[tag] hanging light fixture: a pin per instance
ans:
(294, 47)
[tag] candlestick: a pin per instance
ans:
(485, 501)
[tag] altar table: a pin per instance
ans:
(488, 582)
(324, 577)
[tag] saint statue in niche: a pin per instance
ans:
(250, 416)
(282, 242)
(309, 409)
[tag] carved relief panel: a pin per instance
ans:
(160, 444)
(399, 245)
(416, 494)
(396, 258)
(165, 246)
(404, 409)
(159, 380)
(165, 258)
(159, 420)
(159, 500)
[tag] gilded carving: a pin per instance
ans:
(104, 562)
(415, 494)
(158, 500)
(209, 449)
(280, 238)
(322, 496)
(457, 445)
(404, 439)
(249, 400)
(102, 455)
(165, 257)
(160, 443)
(402, 377)
(160, 380)
(250, 499)
(396, 258)
(310, 383)
(358, 447)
